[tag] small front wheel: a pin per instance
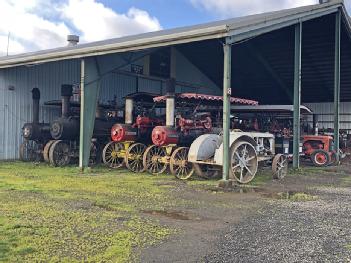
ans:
(280, 166)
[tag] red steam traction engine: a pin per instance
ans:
(129, 140)
(171, 142)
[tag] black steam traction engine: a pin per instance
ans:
(130, 140)
(64, 146)
(35, 134)
(171, 142)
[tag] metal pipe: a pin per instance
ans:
(315, 124)
(226, 108)
(36, 99)
(170, 102)
(129, 110)
(170, 110)
(337, 85)
(66, 93)
(297, 96)
(82, 106)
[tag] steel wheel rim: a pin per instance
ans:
(320, 159)
(60, 154)
(152, 158)
(280, 166)
(244, 162)
(179, 165)
(113, 155)
(29, 151)
(134, 157)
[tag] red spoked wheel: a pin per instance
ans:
(320, 158)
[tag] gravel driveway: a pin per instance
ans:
(289, 231)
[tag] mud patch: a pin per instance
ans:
(177, 215)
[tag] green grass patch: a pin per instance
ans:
(348, 246)
(59, 214)
(297, 197)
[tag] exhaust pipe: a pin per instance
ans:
(129, 110)
(36, 99)
(170, 103)
(66, 93)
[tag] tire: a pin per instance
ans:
(320, 158)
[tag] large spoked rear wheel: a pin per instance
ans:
(280, 165)
(113, 155)
(179, 165)
(134, 157)
(207, 171)
(60, 154)
(30, 151)
(154, 159)
(47, 150)
(243, 162)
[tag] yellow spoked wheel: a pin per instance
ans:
(134, 157)
(113, 155)
(155, 159)
(179, 165)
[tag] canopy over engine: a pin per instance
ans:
(36, 130)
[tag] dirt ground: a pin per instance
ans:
(303, 218)
(53, 215)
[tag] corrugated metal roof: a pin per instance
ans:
(240, 28)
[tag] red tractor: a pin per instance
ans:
(319, 148)
(171, 142)
(130, 140)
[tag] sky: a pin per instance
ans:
(32, 25)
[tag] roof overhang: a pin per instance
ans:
(238, 29)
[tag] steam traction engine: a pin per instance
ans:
(129, 140)
(171, 142)
(35, 134)
(64, 146)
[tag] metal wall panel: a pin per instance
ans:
(326, 117)
(16, 99)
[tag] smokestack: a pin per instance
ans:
(72, 40)
(129, 110)
(170, 102)
(66, 93)
(36, 99)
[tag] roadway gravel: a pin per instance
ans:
(289, 231)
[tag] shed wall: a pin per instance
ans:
(16, 104)
(326, 114)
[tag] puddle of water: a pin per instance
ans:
(178, 215)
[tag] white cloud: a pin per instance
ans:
(232, 8)
(96, 21)
(43, 24)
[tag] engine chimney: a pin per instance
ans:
(66, 93)
(170, 102)
(36, 99)
(129, 110)
(72, 40)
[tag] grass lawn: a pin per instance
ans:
(58, 214)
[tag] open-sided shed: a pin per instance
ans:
(284, 57)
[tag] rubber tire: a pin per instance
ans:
(313, 158)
